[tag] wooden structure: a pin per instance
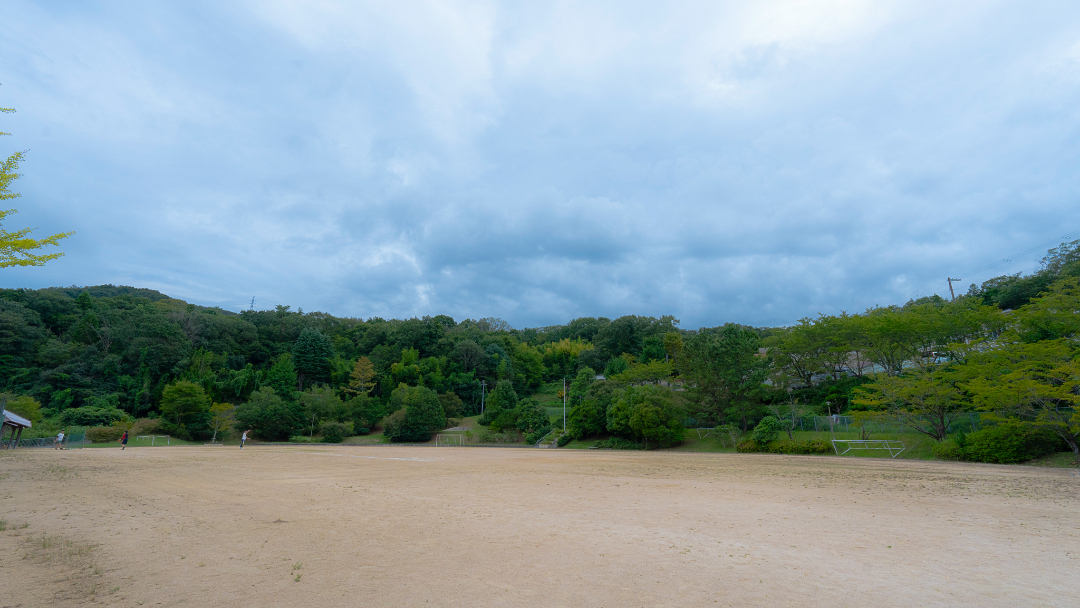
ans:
(16, 423)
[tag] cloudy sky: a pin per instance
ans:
(755, 161)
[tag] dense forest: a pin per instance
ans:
(98, 355)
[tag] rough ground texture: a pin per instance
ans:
(385, 526)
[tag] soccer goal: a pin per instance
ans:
(448, 440)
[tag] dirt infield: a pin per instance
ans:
(385, 526)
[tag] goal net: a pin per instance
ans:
(447, 440)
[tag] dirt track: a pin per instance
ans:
(383, 526)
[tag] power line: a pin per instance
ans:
(1006, 260)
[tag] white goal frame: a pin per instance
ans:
(894, 447)
(448, 440)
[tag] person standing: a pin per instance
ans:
(243, 438)
(59, 445)
(123, 441)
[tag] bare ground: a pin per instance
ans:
(386, 526)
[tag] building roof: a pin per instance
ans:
(16, 420)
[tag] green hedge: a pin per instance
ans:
(104, 434)
(1007, 443)
(813, 446)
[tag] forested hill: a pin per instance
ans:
(119, 349)
(120, 346)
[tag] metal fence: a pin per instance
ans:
(73, 440)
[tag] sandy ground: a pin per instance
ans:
(386, 526)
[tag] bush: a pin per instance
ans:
(104, 434)
(1007, 443)
(300, 439)
(363, 430)
(490, 437)
(144, 426)
(334, 432)
(747, 447)
(618, 443)
(813, 446)
(538, 434)
(767, 430)
(564, 439)
(90, 416)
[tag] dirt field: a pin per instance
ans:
(385, 526)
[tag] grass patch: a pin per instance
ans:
(145, 443)
(1060, 460)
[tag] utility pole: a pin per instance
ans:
(252, 307)
(483, 387)
(564, 404)
(951, 290)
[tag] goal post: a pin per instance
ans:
(442, 440)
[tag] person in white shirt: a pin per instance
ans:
(243, 438)
(59, 445)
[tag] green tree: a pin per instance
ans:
(407, 369)
(282, 376)
(580, 385)
(222, 417)
(23, 405)
(323, 403)
(646, 413)
(503, 399)
(725, 371)
(270, 416)
(1038, 381)
(183, 399)
(452, 405)
(311, 353)
(925, 400)
(421, 416)
(17, 248)
(590, 417)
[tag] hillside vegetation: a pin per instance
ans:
(105, 356)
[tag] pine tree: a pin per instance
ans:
(312, 352)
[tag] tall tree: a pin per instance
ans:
(725, 371)
(362, 378)
(311, 352)
(17, 248)
(183, 399)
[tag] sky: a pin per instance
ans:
(754, 162)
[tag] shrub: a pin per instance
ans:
(104, 434)
(1007, 443)
(144, 426)
(564, 439)
(300, 439)
(813, 446)
(618, 443)
(747, 447)
(767, 430)
(334, 432)
(538, 434)
(363, 430)
(490, 437)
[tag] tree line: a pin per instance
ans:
(91, 355)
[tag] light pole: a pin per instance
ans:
(483, 387)
(564, 404)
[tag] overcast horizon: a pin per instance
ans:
(751, 162)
